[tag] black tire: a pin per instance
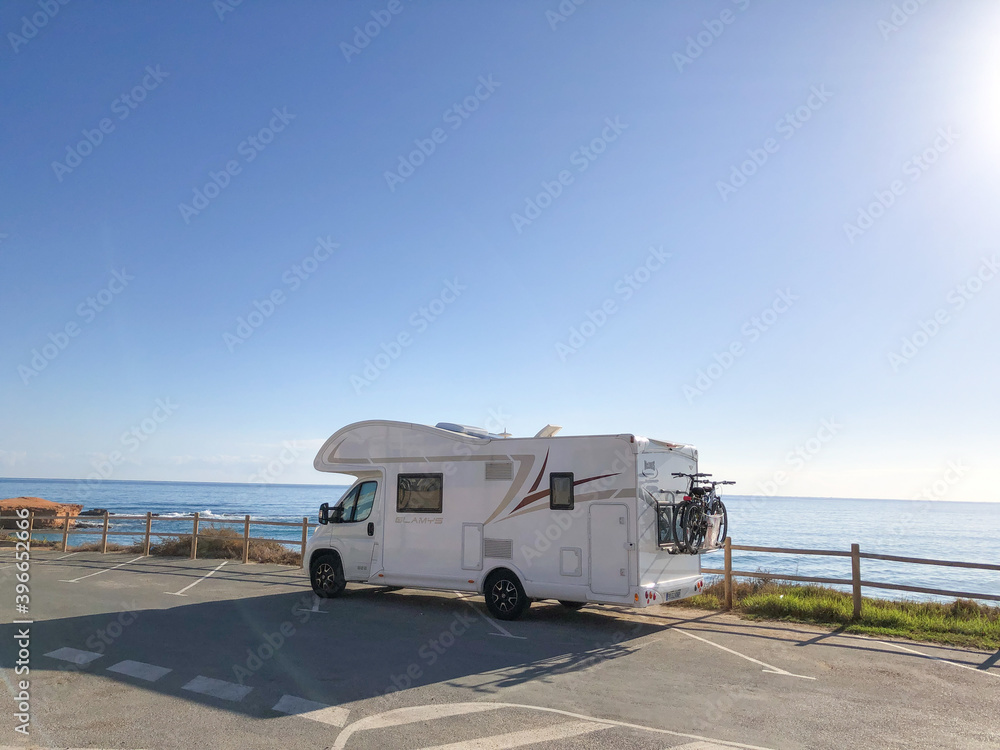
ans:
(326, 575)
(724, 531)
(572, 605)
(505, 597)
(694, 523)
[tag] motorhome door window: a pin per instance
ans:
(366, 498)
(561, 490)
(345, 508)
(419, 493)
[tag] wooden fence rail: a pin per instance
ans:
(856, 582)
(63, 529)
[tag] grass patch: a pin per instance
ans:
(962, 622)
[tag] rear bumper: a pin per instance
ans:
(668, 591)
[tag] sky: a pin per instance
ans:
(768, 230)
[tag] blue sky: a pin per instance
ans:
(768, 230)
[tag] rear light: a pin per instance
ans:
(687, 497)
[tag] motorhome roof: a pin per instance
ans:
(360, 447)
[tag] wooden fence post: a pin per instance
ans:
(246, 539)
(149, 524)
(194, 538)
(104, 535)
(65, 533)
(728, 587)
(31, 525)
(305, 539)
(856, 578)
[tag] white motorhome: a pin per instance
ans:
(575, 519)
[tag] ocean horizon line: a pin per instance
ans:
(316, 484)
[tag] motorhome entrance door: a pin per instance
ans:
(358, 530)
(609, 549)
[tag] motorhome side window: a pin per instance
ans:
(419, 493)
(561, 490)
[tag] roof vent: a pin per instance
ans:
(463, 429)
(548, 431)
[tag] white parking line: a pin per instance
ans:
(503, 631)
(74, 655)
(937, 658)
(321, 712)
(767, 667)
(103, 571)
(147, 672)
(409, 715)
(526, 737)
(65, 556)
(315, 607)
(227, 691)
(192, 585)
(412, 714)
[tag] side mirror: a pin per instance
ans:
(324, 514)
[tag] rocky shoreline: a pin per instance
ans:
(47, 514)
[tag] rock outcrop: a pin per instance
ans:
(45, 512)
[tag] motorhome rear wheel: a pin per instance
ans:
(505, 597)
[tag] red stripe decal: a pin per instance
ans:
(532, 497)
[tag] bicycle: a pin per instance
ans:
(703, 516)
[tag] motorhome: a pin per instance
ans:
(577, 519)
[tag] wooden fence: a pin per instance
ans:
(856, 582)
(147, 535)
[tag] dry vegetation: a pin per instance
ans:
(213, 542)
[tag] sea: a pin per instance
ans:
(961, 531)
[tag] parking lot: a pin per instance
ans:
(131, 652)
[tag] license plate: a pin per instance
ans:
(675, 594)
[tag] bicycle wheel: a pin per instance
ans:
(694, 524)
(724, 526)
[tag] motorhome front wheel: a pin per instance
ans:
(327, 576)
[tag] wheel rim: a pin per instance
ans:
(326, 577)
(505, 595)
